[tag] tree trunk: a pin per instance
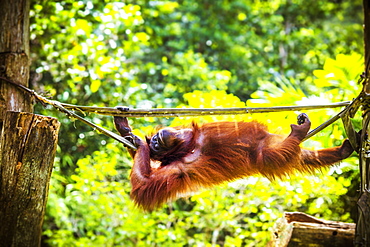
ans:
(27, 150)
(14, 55)
(27, 141)
(363, 223)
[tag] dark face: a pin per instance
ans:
(167, 139)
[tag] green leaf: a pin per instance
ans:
(95, 85)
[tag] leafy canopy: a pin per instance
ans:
(203, 53)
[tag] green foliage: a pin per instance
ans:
(190, 54)
(338, 78)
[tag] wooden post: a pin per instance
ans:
(27, 141)
(363, 223)
(14, 55)
(27, 150)
(299, 229)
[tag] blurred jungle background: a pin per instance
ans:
(191, 53)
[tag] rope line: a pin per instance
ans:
(59, 106)
(178, 112)
(192, 112)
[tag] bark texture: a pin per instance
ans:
(27, 150)
(14, 55)
(299, 229)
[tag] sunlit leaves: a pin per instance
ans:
(213, 99)
(165, 7)
(191, 54)
(81, 27)
(95, 85)
(341, 73)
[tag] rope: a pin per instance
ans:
(178, 112)
(192, 112)
(59, 106)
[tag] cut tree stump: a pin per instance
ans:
(299, 229)
(27, 149)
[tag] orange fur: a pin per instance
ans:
(220, 152)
